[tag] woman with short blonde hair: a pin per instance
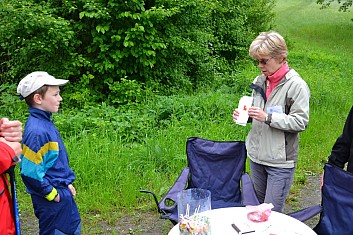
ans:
(279, 112)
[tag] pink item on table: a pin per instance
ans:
(259, 213)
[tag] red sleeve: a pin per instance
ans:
(6, 154)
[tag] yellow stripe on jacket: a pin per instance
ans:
(37, 157)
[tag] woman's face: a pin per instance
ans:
(269, 65)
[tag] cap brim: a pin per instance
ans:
(57, 82)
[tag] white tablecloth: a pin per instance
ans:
(277, 224)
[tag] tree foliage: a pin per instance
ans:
(344, 4)
(117, 50)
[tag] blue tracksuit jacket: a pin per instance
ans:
(45, 172)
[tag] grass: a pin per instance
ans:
(313, 28)
(320, 50)
(116, 153)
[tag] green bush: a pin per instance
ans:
(10, 104)
(163, 46)
(33, 37)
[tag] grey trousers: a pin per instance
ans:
(272, 184)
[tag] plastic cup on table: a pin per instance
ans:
(190, 203)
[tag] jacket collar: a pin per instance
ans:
(38, 113)
(260, 81)
(279, 74)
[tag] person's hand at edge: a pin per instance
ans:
(11, 130)
(16, 146)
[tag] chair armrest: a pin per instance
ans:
(307, 213)
(180, 184)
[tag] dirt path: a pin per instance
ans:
(149, 223)
(309, 195)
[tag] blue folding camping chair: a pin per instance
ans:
(336, 209)
(337, 202)
(218, 166)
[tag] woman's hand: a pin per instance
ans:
(257, 114)
(235, 115)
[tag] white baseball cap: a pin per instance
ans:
(36, 80)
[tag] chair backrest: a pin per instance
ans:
(218, 167)
(337, 202)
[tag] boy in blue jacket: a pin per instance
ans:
(45, 166)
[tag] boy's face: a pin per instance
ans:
(51, 100)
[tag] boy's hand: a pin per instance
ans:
(72, 189)
(11, 130)
(57, 198)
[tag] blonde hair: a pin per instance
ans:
(268, 44)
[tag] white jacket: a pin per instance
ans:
(275, 143)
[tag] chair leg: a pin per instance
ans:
(155, 200)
